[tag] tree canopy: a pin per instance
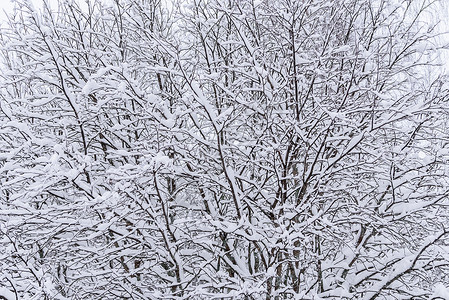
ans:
(223, 149)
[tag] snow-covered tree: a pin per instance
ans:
(223, 149)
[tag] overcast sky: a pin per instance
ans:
(6, 6)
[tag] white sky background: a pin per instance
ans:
(6, 7)
(444, 27)
(441, 13)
